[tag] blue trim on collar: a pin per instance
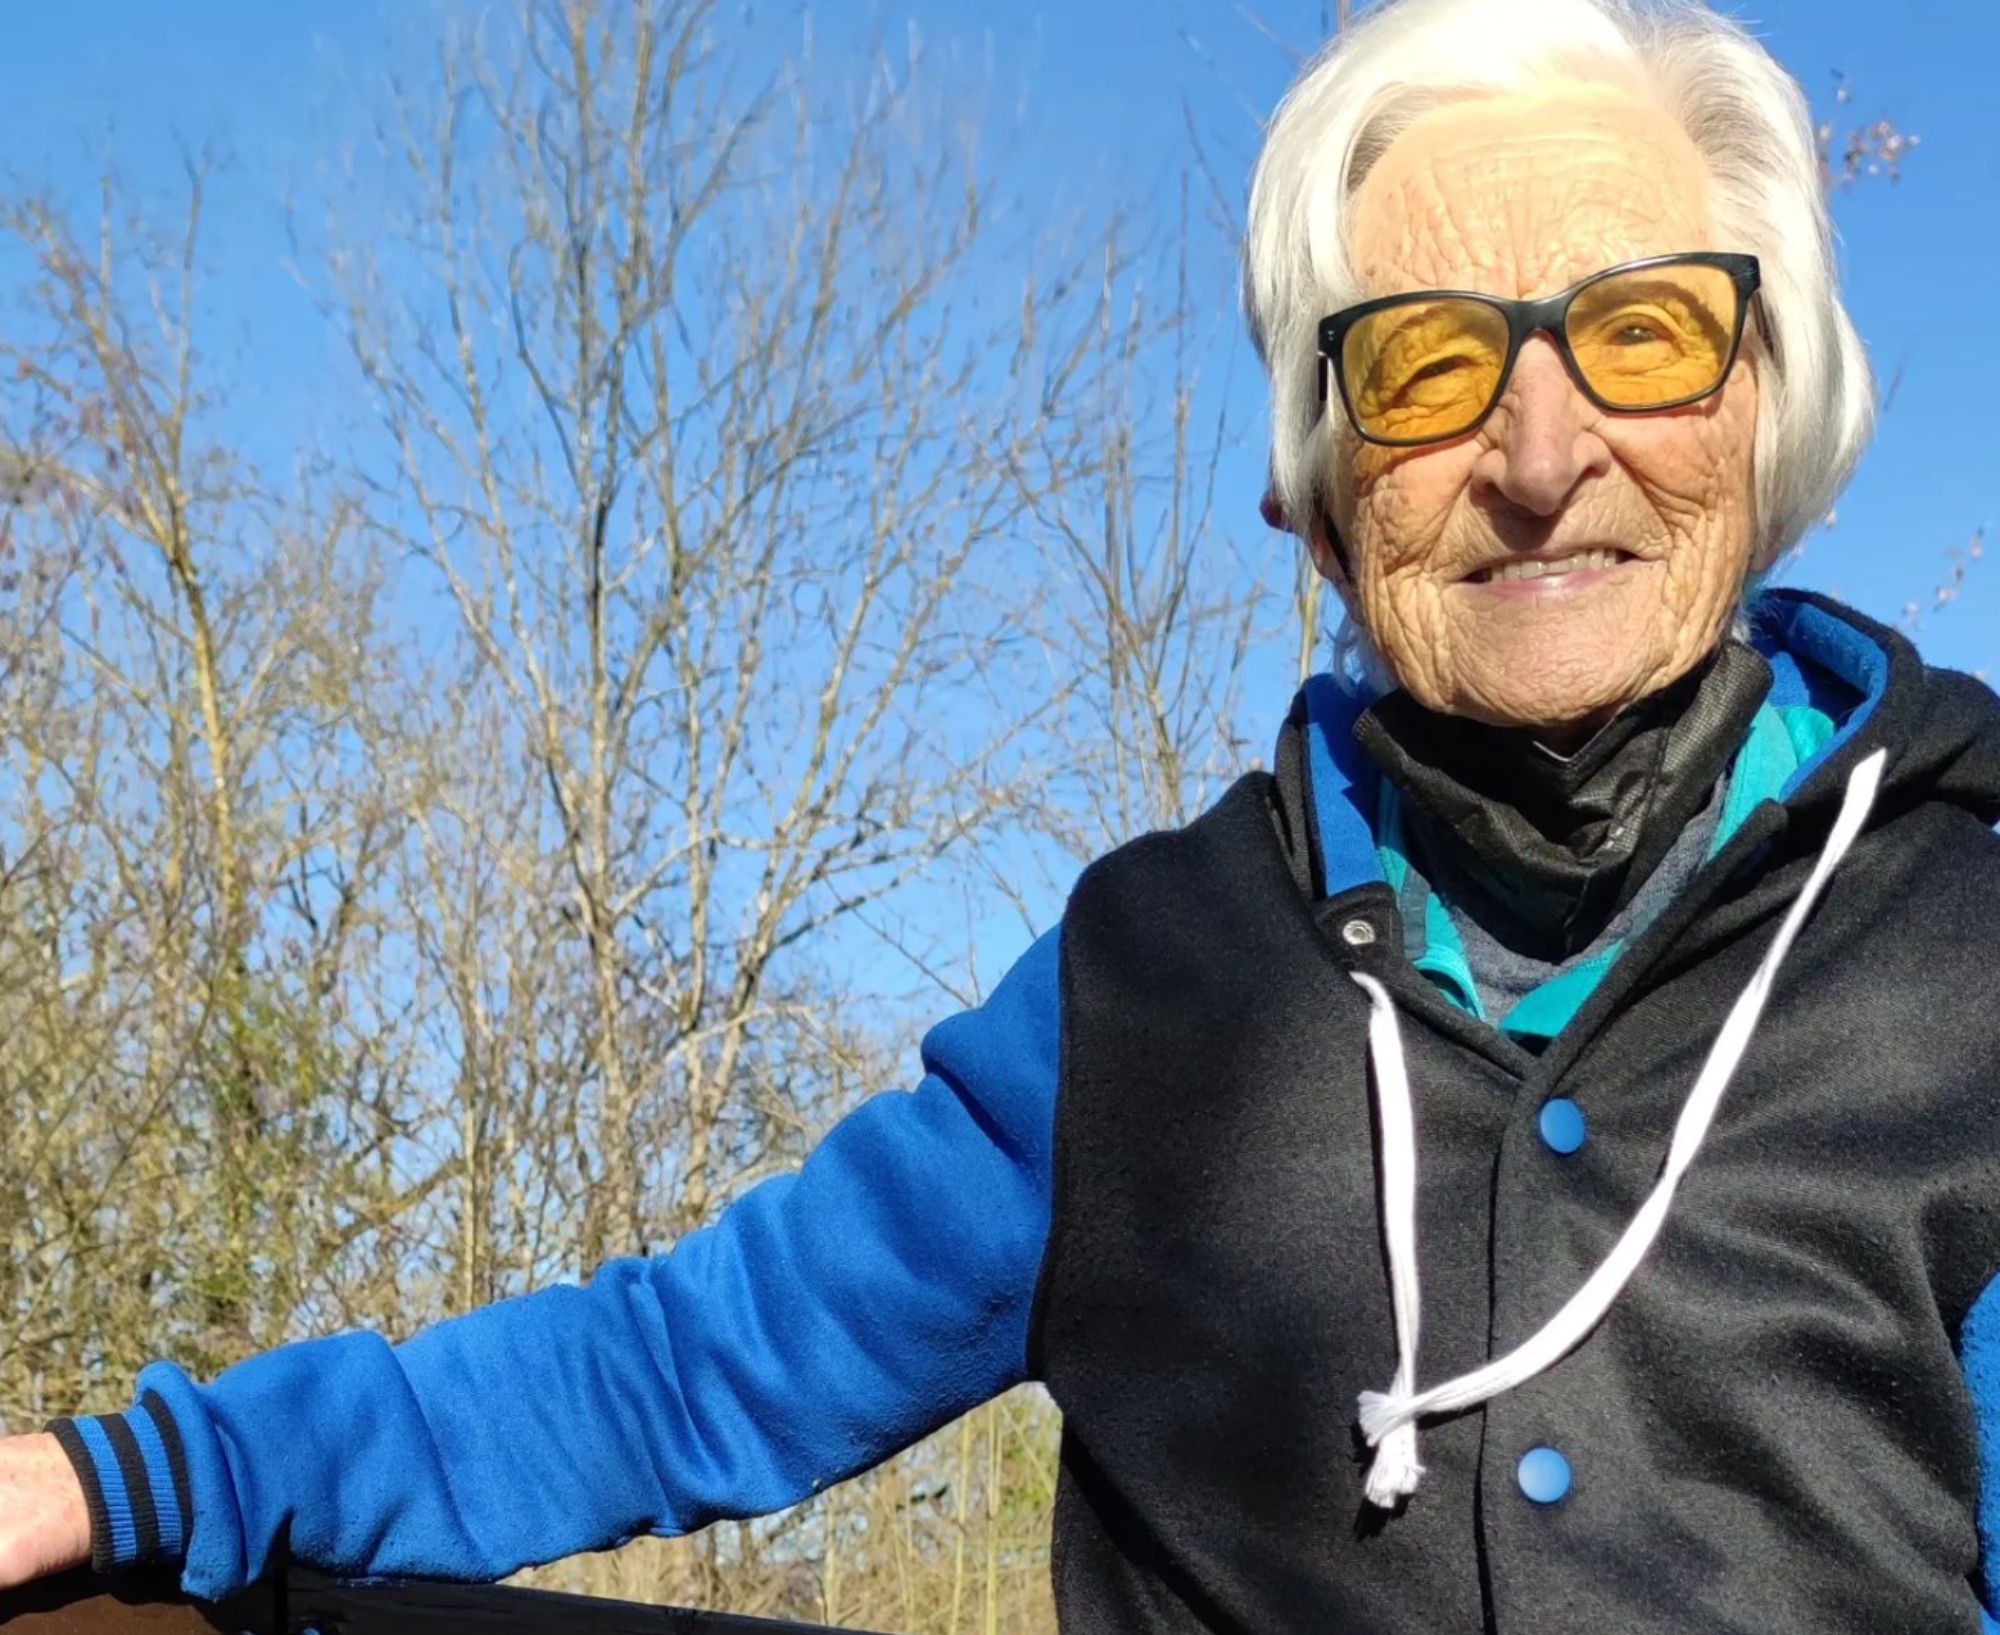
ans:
(1430, 935)
(1343, 783)
(1818, 659)
(1550, 1006)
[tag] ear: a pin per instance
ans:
(1272, 509)
(1322, 541)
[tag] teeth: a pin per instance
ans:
(1528, 568)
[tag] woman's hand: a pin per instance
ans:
(44, 1526)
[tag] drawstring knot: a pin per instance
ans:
(1391, 1430)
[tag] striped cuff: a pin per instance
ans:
(134, 1473)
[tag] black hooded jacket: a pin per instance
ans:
(1783, 1425)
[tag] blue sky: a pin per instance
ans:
(1094, 99)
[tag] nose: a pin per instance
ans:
(1544, 442)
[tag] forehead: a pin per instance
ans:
(1523, 195)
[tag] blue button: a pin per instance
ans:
(1544, 1475)
(1562, 1124)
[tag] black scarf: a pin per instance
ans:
(1543, 848)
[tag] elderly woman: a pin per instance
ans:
(1530, 1163)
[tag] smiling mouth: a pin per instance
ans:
(1531, 567)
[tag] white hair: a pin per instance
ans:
(1746, 117)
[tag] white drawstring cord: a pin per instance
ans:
(1393, 1473)
(1389, 1418)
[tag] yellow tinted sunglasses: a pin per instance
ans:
(1639, 337)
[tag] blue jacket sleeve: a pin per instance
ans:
(823, 1321)
(1979, 1358)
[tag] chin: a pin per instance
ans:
(1561, 661)
(1551, 684)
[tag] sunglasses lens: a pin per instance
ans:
(1424, 369)
(1655, 335)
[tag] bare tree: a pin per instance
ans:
(1154, 608)
(185, 899)
(700, 411)
(716, 471)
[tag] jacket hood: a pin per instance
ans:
(1941, 729)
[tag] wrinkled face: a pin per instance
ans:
(1523, 196)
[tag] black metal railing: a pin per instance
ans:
(297, 1603)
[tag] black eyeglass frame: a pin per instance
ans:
(1545, 317)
